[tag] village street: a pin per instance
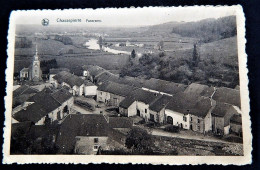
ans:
(185, 134)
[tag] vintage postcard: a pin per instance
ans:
(154, 85)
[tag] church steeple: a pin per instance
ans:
(36, 58)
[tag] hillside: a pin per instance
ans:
(208, 30)
(217, 65)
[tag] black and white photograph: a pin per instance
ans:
(132, 82)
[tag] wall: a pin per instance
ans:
(51, 80)
(90, 90)
(117, 136)
(177, 118)
(142, 106)
(115, 99)
(226, 130)
(237, 128)
(208, 122)
(197, 126)
(218, 124)
(103, 96)
(85, 144)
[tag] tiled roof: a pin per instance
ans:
(25, 70)
(221, 109)
(140, 95)
(120, 122)
(159, 104)
(115, 88)
(68, 78)
(44, 102)
(227, 95)
(189, 104)
(88, 83)
(195, 88)
(164, 86)
(208, 92)
(80, 125)
(236, 118)
(94, 70)
(24, 89)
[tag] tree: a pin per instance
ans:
(133, 54)
(160, 45)
(139, 140)
(195, 56)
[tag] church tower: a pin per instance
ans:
(36, 73)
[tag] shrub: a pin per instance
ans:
(172, 128)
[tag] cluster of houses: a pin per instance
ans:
(197, 107)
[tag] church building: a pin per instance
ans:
(34, 72)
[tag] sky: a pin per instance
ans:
(111, 17)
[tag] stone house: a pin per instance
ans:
(236, 124)
(47, 104)
(82, 134)
(113, 93)
(190, 112)
(75, 83)
(137, 103)
(221, 115)
(54, 71)
(157, 109)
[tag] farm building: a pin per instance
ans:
(75, 83)
(82, 134)
(227, 95)
(163, 87)
(54, 71)
(91, 71)
(195, 88)
(113, 93)
(137, 103)
(190, 112)
(221, 115)
(236, 124)
(157, 108)
(47, 104)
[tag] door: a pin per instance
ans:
(138, 112)
(169, 120)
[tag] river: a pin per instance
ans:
(92, 44)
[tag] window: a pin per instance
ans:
(95, 140)
(198, 127)
(151, 117)
(95, 148)
(145, 110)
(100, 93)
(198, 121)
(184, 119)
(191, 119)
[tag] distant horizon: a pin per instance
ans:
(124, 17)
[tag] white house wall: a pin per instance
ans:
(90, 90)
(178, 118)
(132, 109)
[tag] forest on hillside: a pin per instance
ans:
(208, 30)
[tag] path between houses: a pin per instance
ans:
(158, 132)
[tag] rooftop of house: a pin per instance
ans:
(227, 95)
(94, 70)
(57, 70)
(140, 95)
(164, 86)
(44, 102)
(208, 92)
(161, 103)
(189, 104)
(221, 109)
(25, 70)
(24, 89)
(196, 88)
(88, 83)
(236, 118)
(68, 78)
(115, 88)
(80, 125)
(120, 122)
